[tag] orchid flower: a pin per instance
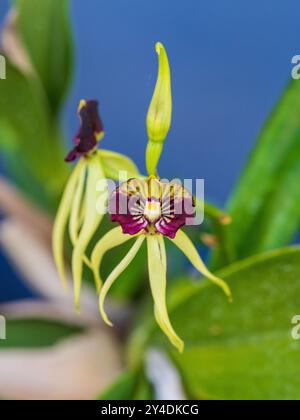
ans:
(83, 201)
(150, 210)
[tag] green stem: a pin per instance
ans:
(224, 253)
(221, 225)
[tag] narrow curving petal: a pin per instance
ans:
(61, 221)
(115, 274)
(76, 211)
(158, 282)
(183, 242)
(115, 163)
(111, 239)
(91, 221)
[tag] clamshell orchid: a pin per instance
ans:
(85, 196)
(151, 210)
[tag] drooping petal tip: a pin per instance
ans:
(183, 242)
(115, 274)
(157, 267)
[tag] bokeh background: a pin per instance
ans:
(230, 61)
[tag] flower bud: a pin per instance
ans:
(160, 110)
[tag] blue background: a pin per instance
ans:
(230, 61)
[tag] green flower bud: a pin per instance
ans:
(160, 111)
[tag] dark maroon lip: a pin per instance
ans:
(90, 129)
(128, 203)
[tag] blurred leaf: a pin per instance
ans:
(131, 385)
(143, 390)
(35, 333)
(122, 388)
(45, 29)
(29, 138)
(242, 350)
(265, 204)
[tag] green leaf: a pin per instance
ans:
(29, 138)
(35, 333)
(122, 388)
(265, 204)
(143, 390)
(45, 29)
(242, 350)
(130, 385)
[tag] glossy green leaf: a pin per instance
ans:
(265, 203)
(242, 350)
(33, 333)
(45, 29)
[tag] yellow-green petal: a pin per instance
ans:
(91, 221)
(76, 216)
(158, 283)
(114, 163)
(115, 274)
(183, 242)
(78, 212)
(111, 239)
(61, 221)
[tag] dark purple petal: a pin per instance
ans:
(177, 206)
(73, 154)
(92, 109)
(130, 224)
(127, 209)
(169, 227)
(90, 130)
